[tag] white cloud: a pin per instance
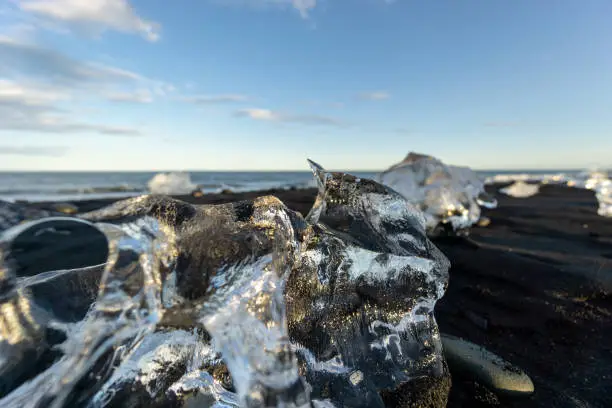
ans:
(215, 99)
(94, 16)
(29, 94)
(260, 114)
(46, 151)
(274, 116)
(25, 59)
(138, 96)
(36, 108)
(375, 95)
(304, 7)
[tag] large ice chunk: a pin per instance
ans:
(239, 304)
(449, 196)
(361, 300)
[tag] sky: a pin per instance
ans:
(266, 84)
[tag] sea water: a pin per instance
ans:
(69, 186)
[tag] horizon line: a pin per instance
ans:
(523, 170)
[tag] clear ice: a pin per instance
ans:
(239, 304)
(450, 197)
(520, 189)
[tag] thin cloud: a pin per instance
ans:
(45, 151)
(274, 116)
(139, 96)
(303, 7)
(215, 99)
(115, 131)
(17, 57)
(24, 59)
(94, 16)
(31, 108)
(375, 96)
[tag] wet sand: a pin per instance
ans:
(535, 287)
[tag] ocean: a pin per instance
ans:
(70, 186)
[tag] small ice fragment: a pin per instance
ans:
(520, 189)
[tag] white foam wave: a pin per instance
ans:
(171, 183)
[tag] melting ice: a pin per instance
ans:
(240, 304)
(449, 196)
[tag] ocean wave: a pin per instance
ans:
(70, 187)
(172, 183)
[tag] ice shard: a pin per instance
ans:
(449, 196)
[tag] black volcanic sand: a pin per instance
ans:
(535, 287)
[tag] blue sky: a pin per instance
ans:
(265, 84)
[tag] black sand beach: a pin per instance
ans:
(535, 287)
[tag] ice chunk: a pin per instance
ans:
(474, 185)
(449, 196)
(520, 189)
(368, 282)
(240, 304)
(173, 183)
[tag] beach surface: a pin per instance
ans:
(534, 287)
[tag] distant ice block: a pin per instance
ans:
(173, 183)
(599, 182)
(447, 195)
(520, 189)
